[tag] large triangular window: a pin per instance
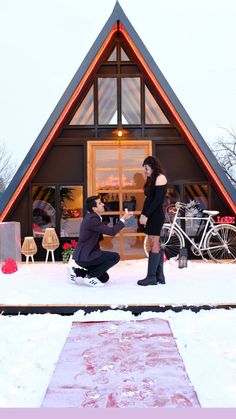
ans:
(153, 113)
(85, 113)
(119, 94)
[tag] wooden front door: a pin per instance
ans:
(115, 172)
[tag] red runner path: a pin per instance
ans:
(121, 364)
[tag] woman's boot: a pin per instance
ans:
(148, 262)
(160, 274)
(153, 262)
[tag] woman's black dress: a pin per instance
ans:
(153, 209)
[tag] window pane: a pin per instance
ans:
(107, 100)
(112, 57)
(85, 114)
(44, 213)
(133, 201)
(132, 179)
(106, 157)
(153, 112)
(71, 198)
(124, 56)
(172, 196)
(133, 157)
(111, 200)
(132, 225)
(111, 219)
(131, 108)
(107, 180)
(198, 193)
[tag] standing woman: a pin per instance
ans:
(153, 217)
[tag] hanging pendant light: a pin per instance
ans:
(119, 131)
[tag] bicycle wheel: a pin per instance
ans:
(172, 246)
(221, 243)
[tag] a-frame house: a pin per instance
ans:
(78, 153)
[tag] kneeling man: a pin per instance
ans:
(87, 253)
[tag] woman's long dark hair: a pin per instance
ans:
(157, 170)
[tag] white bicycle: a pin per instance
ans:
(218, 241)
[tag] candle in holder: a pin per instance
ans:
(50, 242)
(29, 248)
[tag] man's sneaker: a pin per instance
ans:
(81, 272)
(71, 274)
(104, 278)
(92, 282)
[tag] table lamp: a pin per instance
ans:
(29, 248)
(50, 242)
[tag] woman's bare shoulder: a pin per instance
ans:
(161, 180)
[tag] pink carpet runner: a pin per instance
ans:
(129, 364)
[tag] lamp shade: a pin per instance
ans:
(29, 247)
(120, 131)
(50, 240)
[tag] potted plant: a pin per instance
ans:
(67, 251)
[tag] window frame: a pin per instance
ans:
(57, 186)
(121, 69)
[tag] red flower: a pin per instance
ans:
(68, 249)
(73, 243)
(66, 246)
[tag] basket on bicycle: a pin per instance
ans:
(194, 222)
(190, 209)
(193, 209)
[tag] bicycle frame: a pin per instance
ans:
(198, 246)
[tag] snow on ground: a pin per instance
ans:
(30, 345)
(199, 283)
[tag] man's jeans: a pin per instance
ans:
(98, 267)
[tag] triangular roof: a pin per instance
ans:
(117, 21)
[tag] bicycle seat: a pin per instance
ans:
(211, 212)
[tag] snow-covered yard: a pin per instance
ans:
(201, 283)
(30, 345)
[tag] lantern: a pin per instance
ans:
(50, 242)
(183, 258)
(29, 248)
